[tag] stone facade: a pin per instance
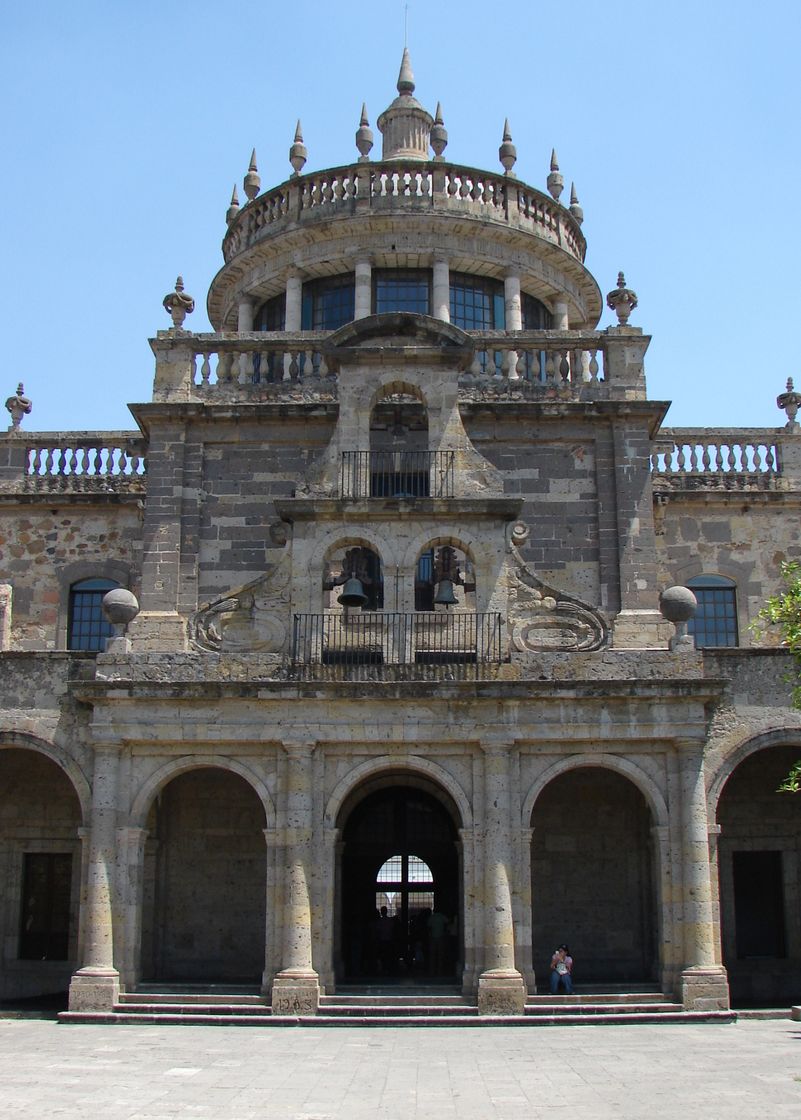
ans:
(491, 725)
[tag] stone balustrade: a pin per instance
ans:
(82, 462)
(396, 185)
(716, 458)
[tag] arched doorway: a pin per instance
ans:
(759, 863)
(204, 884)
(40, 867)
(592, 877)
(399, 908)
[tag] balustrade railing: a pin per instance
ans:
(715, 458)
(547, 363)
(90, 462)
(427, 186)
(397, 474)
(258, 359)
(359, 644)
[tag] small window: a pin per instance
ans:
(715, 621)
(328, 303)
(477, 303)
(402, 289)
(45, 910)
(87, 628)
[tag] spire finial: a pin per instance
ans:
(233, 209)
(364, 137)
(621, 300)
(556, 181)
(178, 305)
(18, 405)
(507, 153)
(439, 134)
(252, 180)
(406, 77)
(298, 153)
(575, 209)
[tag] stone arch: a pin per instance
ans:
(645, 784)
(412, 764)
(169, 770)
(775, 737)
(334, 538)
(387, 388)
(25, 741)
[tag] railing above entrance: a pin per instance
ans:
(360, 645)
(397, 474)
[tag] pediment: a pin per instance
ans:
(402, 332)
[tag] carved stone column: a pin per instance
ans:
(131, 846)
(441, 290)
(501, 989)
(244, 316)
(96, 985)
(511, 298)
(703, 984)
(560, 317)
(294, 300)
(363, 288)
(296, 988)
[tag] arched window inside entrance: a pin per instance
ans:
(404, 883)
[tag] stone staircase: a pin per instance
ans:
(398, 1006)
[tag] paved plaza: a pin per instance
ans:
(660, 1072)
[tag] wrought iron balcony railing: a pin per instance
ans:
(358, 645)
(397, 474)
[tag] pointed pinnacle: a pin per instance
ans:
(573, 195)
(252, 166)
(298, 134)
(507, 135)
(405, 77)
(364, 121)
(438, 115)
(234, 196)
(554, 160)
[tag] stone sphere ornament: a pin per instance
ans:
(120, 606)
(678, 605)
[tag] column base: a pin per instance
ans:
(94, 989)
(501, 991)
(296, 992)
(703, 988)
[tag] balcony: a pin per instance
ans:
(76, 463)
(397, 474)
(710, 459)
(376, 645)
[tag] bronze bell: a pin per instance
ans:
(352, 593)
(445, 596)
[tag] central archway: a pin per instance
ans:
(399, 902)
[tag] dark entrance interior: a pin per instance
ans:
(400, 912)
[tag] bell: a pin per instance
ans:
(445, 596)
(352, 593)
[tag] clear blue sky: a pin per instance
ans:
(126, 124)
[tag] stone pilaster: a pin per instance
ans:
(703, 983)
(501, 989)
(96, 985)
(441, 290)
(363, 288)
(296, 988)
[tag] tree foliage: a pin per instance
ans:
(784, 611)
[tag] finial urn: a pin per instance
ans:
(364, 137)
(252, 181)
(575, 208)
(298, 153)
(507, 153)
(439, 134)
(18, 405)
(233, 209)
(621, 300)
(555, 181)
(178, 304)
(789, 401)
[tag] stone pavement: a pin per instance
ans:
(751, 1069)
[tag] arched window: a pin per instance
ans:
(361, 564)
(536, 316)
(87, 629)
(404, 882)
(715, 621)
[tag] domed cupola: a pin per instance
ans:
(405, 125)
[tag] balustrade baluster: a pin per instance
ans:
(594, 366)
(770, 458)
(550, 371)
(523, 360)
(759, 459)
(453, 186)
(706, 461)
(475, 365)
(510, 365)
(680, 457)
(564, 366)
(205, 370)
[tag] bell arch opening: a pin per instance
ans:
(399, 905)
(759, 873)
(204, 904)
(592, 878)
(399, 460)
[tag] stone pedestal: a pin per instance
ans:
(157, 632)
(640, 629)
(94, 989)
(296, 992)
(704, 989)
(501, 991)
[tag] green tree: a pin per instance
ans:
(784, 611)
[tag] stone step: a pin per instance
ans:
(343, 999)
(596, 997)
(202, 1007)
(398, 1010)
(596, 1007)
(191, 998)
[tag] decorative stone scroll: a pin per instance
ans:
(543, 619)
(251, 618)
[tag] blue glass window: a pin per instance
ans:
(328, 303)
(402, 289)
(715, 621)
(87, 628)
